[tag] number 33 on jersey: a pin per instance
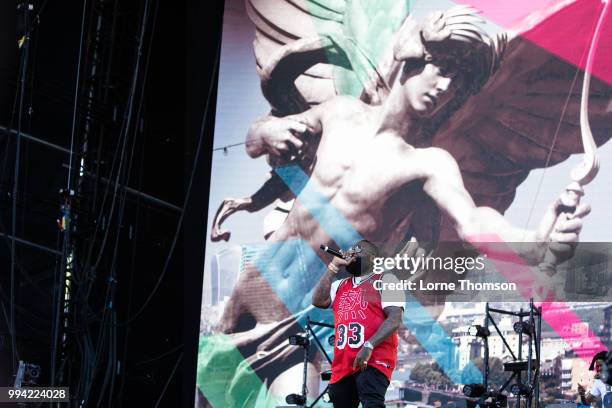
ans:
(358, 313)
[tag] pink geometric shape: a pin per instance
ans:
(566, 33)
(557, 314)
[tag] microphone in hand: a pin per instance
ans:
(334, 252)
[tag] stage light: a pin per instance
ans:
(473, 390)
(297, 340)
(295, 399)
(523, 327)
(521, 389)
(479, 331)
(32, 371)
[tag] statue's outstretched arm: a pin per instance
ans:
(481, 225)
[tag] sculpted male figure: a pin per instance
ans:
(365, 166)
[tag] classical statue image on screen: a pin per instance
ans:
(403, 132)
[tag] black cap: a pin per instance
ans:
(599, 356)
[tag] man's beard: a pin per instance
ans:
(359, 267)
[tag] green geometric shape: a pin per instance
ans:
(227, 380)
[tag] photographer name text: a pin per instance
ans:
(462, 284)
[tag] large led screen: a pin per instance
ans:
(452, 135)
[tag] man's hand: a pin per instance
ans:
(339, 262)
(361, 360)
(585, 398)
(435, 28)
(321, 296)
(561, 230)
(408, 43)
(283, 137)
(438, 27)
(279, 138)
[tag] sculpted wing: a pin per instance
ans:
(527, 115)
(308, 51)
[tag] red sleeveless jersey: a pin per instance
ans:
(358, 314)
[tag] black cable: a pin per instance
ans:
(67, 247)
(24, 68)
(123, 135)
(98, 222)
(76, 289)
(116, 189)
(98, 159)
(123, 194)
(187, 194)
(76, 96)
(59, 299)
(22, 270)
(37, 18)
(135, 241)
(87, 264)
(178, 360)
(10, 126)
(109, 298)
(125, 128)
(121, 211)
(113, 357)
(109, 365)
(125, 132)
(159, 357)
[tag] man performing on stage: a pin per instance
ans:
(365, 348)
